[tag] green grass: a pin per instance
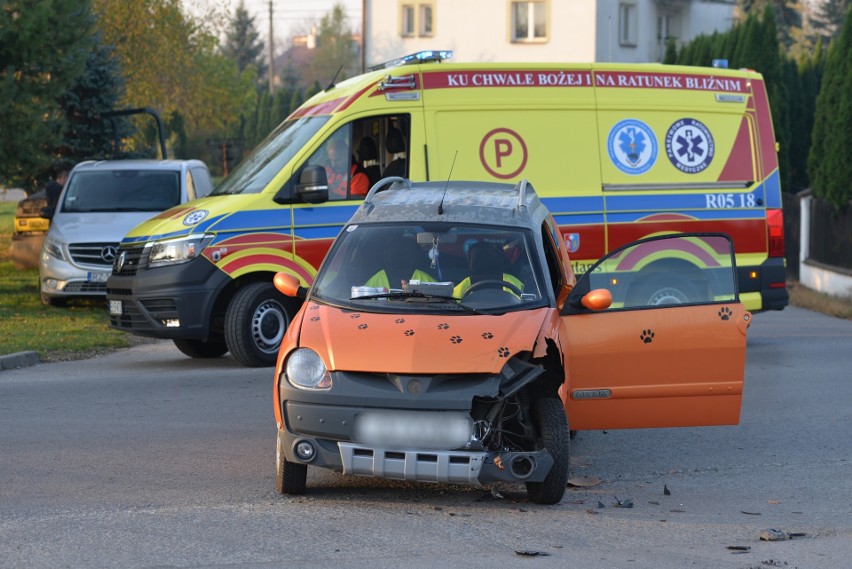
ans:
(78, 331)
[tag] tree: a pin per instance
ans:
(43, 49)
(827, 18)
(242, 43)
(829, 166)
(788, 16)
(335, 49)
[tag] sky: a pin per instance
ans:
(289, 17)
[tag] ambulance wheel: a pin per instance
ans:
(54, 301)
(660, 292)
(552, 425)
(202, 349)
(255, 323)
(290, 477)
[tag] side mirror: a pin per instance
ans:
(47, 212)
(289, 285)
(313, 185)
(597, 299)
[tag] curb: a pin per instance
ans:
(19, 360)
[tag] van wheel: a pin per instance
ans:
(255, 323)
(53, 301)
(290, 478)
(201, 348)
(660, 292)
(552, 424)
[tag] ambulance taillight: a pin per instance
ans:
(775, 232)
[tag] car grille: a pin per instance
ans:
(102, 254)
(84, 288)
(135, 258)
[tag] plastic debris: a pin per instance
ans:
(601, 505)
(626, 503)
(666, 491)
(530, 553)
(771, 534)
(584, 482)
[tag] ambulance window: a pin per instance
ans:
(353, 158)
(529, 21)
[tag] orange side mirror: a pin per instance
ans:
(286, 284)
(598, 299)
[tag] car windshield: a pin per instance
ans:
(122, 190)
(256, 171)
(434, 268)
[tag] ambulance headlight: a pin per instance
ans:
(176, 251)
(306, 370)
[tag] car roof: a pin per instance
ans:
(145, 164)
(488, 203)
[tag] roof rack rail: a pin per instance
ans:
(428, 56)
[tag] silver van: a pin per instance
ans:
(100, 203)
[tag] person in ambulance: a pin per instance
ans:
(423, 382)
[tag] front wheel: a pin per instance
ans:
(552, 424)
(255, 323)
(291, 478)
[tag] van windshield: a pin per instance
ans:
(443, 267)
(122, 190)
(259, 167)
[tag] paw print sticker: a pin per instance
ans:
(443, 326)
(456, 340)
(355, 316)
(314, 307)
(362, 326)
(647, 336)
(409, 332)
(503, 352)
(487, 335)
(399, 320)
(314, 318)
(725, 313)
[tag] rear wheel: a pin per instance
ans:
(202, 348)
(552, 425)
(291, 477)
(255, 323)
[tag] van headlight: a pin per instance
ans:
(54, 249)
(176, 251)
(306, 370)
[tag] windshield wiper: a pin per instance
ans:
(402, 295)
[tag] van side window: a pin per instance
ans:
(353, 159)
(551, 256)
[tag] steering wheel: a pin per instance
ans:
(493, 283)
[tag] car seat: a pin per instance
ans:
(395, 144)
(485, 262)
(368, 154)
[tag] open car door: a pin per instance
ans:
(670, 350)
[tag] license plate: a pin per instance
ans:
(115, 307)
(414, 429)
(98, 277)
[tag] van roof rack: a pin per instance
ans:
(428, 56)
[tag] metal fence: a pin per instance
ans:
(792, 233)
(830, 235)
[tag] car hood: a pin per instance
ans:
(417, 343)
(94, 227)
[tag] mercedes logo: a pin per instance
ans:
(108, 253)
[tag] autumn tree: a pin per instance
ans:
(827, 18)
(242, 42)
(43, 49)
(335, 49)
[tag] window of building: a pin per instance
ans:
(406, 20)
(627, 24)
(426, 12)
(529, 21)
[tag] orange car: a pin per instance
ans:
(445, 339)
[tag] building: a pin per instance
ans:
(630, 31)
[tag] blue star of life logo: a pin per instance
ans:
(690, 146)
(632, 146)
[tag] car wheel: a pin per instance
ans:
(255, 323)
(290, 477)
(201, 348)
(660, 292)
(552, 424)
(53, 301)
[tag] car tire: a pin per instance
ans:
(552, 424)
(53, 301)
(255, 323)
(661, 292)
(290, 477)
(202, 349)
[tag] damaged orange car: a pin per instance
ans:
(445, 339)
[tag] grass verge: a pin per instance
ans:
(56, 334)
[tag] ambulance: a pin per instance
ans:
(618, 152)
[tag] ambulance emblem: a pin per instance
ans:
(572, 241)
(195, 217)
(690, 146)
(632, 146)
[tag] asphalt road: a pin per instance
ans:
(144, 458)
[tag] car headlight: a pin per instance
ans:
(175, 251)
(306, 370)
(54, 249)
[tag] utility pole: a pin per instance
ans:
(271, 52)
